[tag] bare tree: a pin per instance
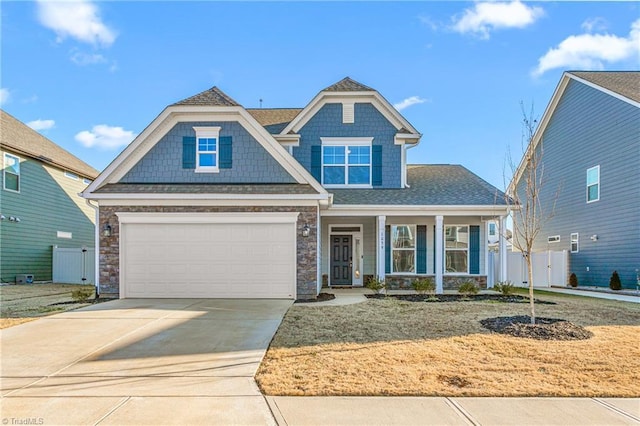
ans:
(523, 196)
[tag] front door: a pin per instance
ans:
(341, 260)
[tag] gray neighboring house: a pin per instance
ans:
(215, 200)
(590, 134)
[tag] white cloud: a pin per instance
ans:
(105, 137)
(5, 95)
(38, 124)
(487, 16)
(591, 51)
(77, 19)
(406, 103)
(594, 24)
(81, 58)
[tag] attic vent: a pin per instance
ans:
(348, 116)
(553, 239)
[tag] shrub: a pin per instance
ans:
(573, 280)
(504, 287)
(614, 282)
(376, 285)
(424, 285)
(468, 288)
(82, 295)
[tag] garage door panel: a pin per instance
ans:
(209, 260)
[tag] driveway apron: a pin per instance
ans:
(140, 361)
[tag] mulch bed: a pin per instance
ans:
(322, 297)
(543, 329)
(459, 298)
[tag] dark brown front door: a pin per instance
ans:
(341, 262)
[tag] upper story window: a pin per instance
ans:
(456, 249)
(346, 162)
(11, 173)
(71, 175)
(207, 147)
(87, 181)
(593, 184)
(403, 248)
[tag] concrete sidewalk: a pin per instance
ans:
(294, 411)
(626, 296)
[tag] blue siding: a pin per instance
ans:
(251, 162)
(591, 128)
(369, 122)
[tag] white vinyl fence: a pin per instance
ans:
(73, 265)
(549, 268)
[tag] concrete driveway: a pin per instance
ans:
(135, 361)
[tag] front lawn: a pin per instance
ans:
(391, 347)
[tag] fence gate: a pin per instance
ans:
(549, 268)
(74, 265)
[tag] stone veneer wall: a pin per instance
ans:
(449, 282)
(306, 249)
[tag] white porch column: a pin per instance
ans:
(438, 254)
(380, 247)
(502, 252)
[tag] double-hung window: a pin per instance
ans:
(403, 248)
(575, 242)
(207, 147)
(456, 249)
(346, 162)
(11, 176)
(593, 184)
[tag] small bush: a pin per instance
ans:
(614, 282)
(376, 285)
(82, 295)
(504, 287)
(573, 280)
(424, 285)
(468, 288)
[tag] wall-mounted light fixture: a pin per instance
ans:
(106, 230)
(14, 219)
(305, 230)
(594, 237)
(2, 217)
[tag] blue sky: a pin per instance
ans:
(92, 75)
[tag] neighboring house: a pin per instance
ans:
(39, 202)
(215, 200)
(590, 140)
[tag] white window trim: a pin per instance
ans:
(444, 246)
(87, 181)
(596, 183)
(71, 175)
(575, 238)
(414, 228)
(208, 132)
(4, 173)
(346, 142)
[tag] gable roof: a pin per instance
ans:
(210, 97)
(625, 83)
(348, 85)
(274, 119)
(25, 141)
(429, 185)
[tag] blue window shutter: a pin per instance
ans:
(387, 249)
(434, 249)
(376, 165)
(226, 152)
(474, 249)
(189, 152)
(421, 249)
(316, 162)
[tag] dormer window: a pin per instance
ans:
(346, 162)
(207, 147)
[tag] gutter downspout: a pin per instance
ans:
(405, 148)
(96, 278)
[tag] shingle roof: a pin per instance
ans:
(348, 85)
(274, 119)
(176, 188)
(430, 185)
(211, 97)
(20, 138)
(625, 83)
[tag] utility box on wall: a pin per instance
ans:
(24, 279)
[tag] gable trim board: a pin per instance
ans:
(548, 113)
(487, 212)
(173, 115)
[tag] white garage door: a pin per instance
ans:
(208, 256)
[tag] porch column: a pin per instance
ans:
(380, 247)
(502, 251)
(438, 254)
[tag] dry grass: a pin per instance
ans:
(388, 347)
(23, 303)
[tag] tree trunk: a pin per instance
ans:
(531, 301)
